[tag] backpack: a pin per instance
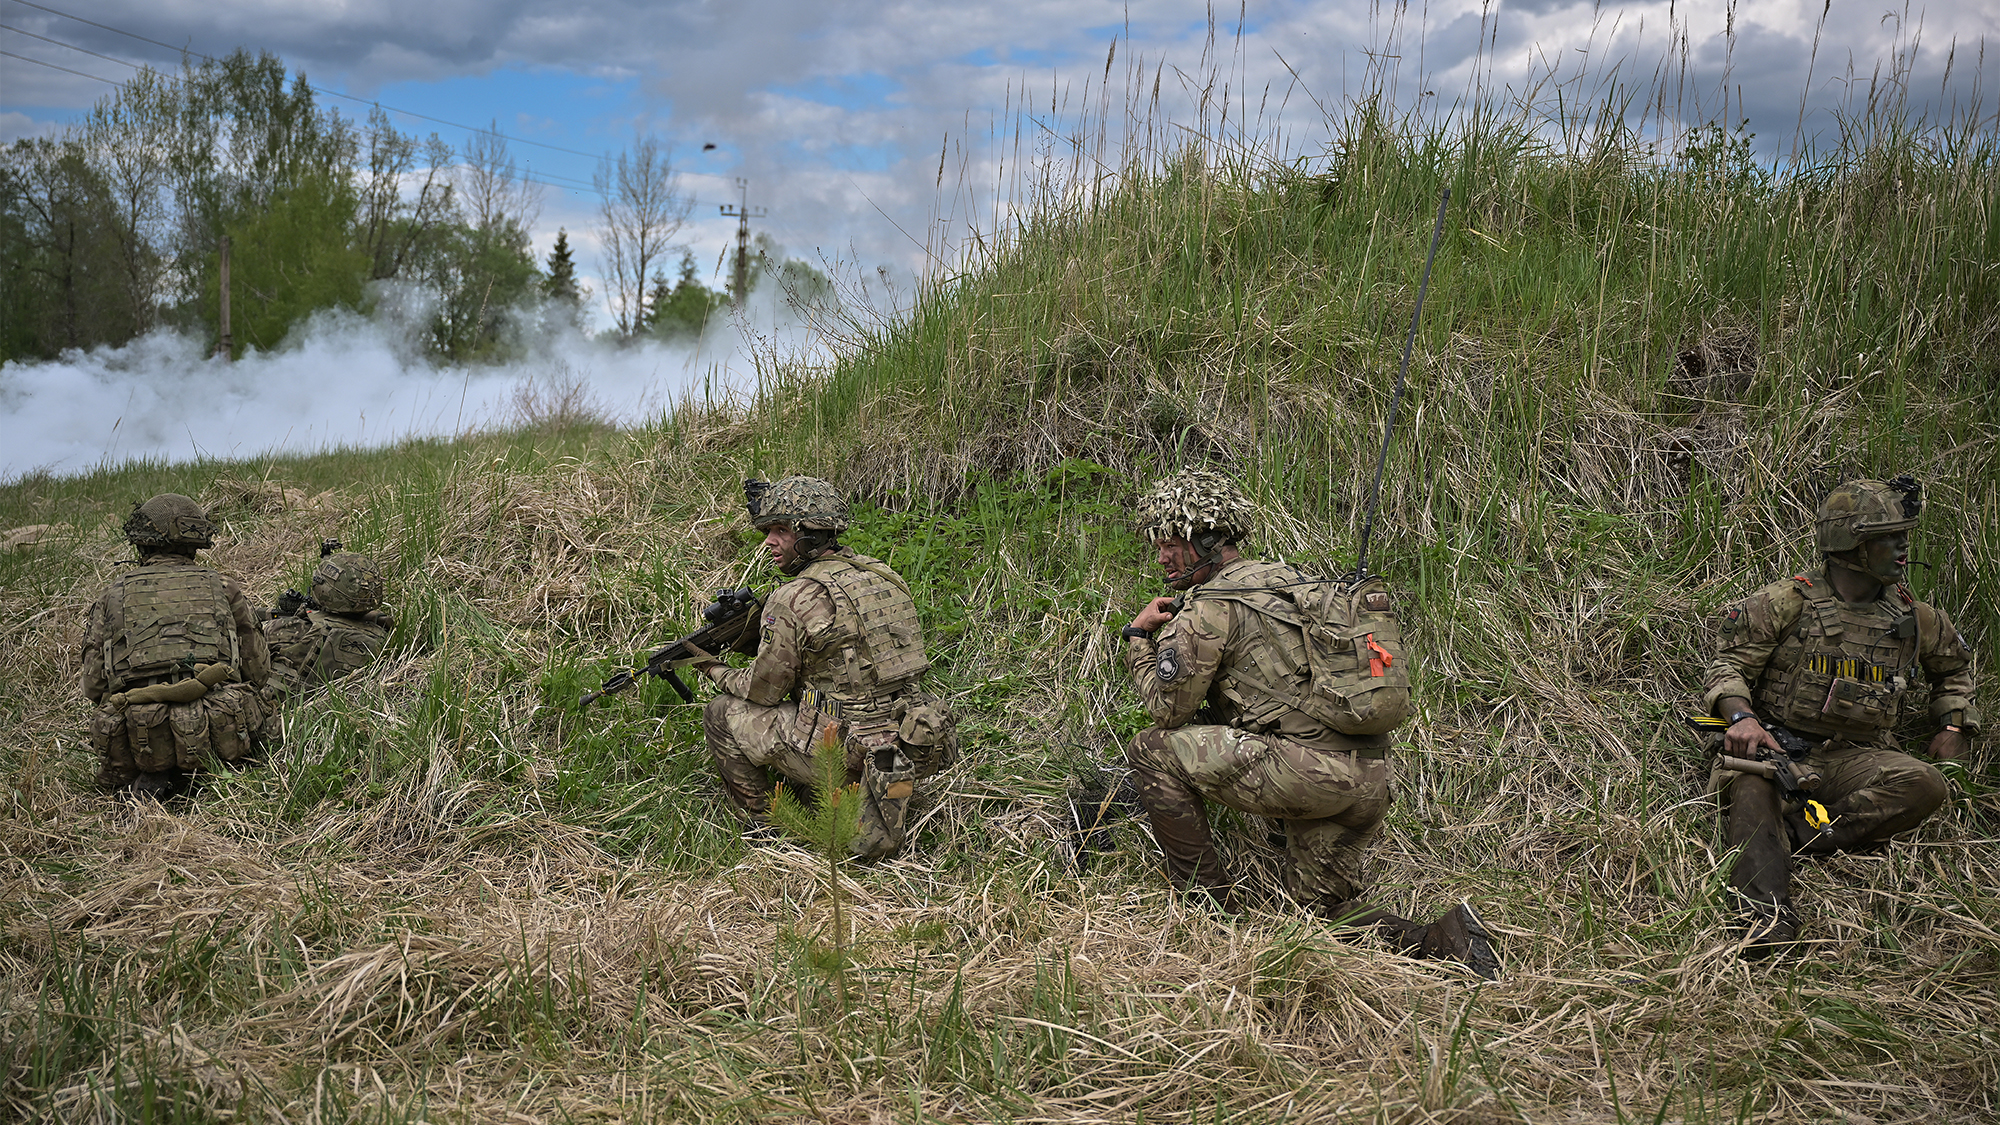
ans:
(1336, 644)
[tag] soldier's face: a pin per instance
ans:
(1886, 558)
(1177, 557)
(781, 541)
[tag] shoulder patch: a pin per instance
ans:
(1169, 664)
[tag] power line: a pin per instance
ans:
(60, 43)
(64, 69)
(315, 89)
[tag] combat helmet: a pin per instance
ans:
(169, 521)
(348, 583)
(807, 503)
(1862, 509)
(1197, 505)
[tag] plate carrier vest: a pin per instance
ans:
(1842, 670)
(162, 622)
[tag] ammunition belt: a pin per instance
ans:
(1848, 668)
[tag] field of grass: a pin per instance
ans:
(457, 898)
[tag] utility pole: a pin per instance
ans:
(739, 286)
(223, 346)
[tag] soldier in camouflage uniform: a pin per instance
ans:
(1226, 677)
(839, 655)
(1833, 655)
(172, 657)
(338, 628)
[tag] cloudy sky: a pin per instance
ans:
(845, 116)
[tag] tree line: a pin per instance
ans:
(114, 228)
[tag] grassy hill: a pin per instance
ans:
(457, 898)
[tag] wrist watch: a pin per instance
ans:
(1738, 716)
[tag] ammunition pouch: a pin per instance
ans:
(927, 732)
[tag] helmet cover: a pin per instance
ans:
(1862, 509)
(1193, 501)
(348, 583)
(169, 520)
(807, 503)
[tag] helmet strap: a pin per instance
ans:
(1209, 546)
(811, 543)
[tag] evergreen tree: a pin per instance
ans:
(684, 309)
(560, 284)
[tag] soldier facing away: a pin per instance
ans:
(337, 629)
(1247, 713)
(1832, 654)
(172, 657)
(839, 655)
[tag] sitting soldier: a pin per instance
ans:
(172, 657)
(1833, 658)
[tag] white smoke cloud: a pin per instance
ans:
(341, 379)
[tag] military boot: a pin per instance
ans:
(1458, 935)
(1767, 929)
(159, 786)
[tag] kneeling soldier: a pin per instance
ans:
(840, 655)
(172, 657)
(1254, 713)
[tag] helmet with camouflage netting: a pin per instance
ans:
(807, 503)
(1862, 509)
(169, 521)
(348, 583)
(1193, 502)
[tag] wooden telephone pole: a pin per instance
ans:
(739, 286)
(223, 345)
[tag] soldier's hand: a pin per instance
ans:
(1154, 615)
(1746, 737)
(1947, 745)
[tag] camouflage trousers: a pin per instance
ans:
(162, 737)
(749, 740)
(1331, 802)
(1871, 793)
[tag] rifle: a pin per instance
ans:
(1794, 788)
(728, 617)
(291, 601)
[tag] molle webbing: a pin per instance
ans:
(876, 645)
(164, 621)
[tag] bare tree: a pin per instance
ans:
(643, 209)
(395, 222)
(493, 187)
